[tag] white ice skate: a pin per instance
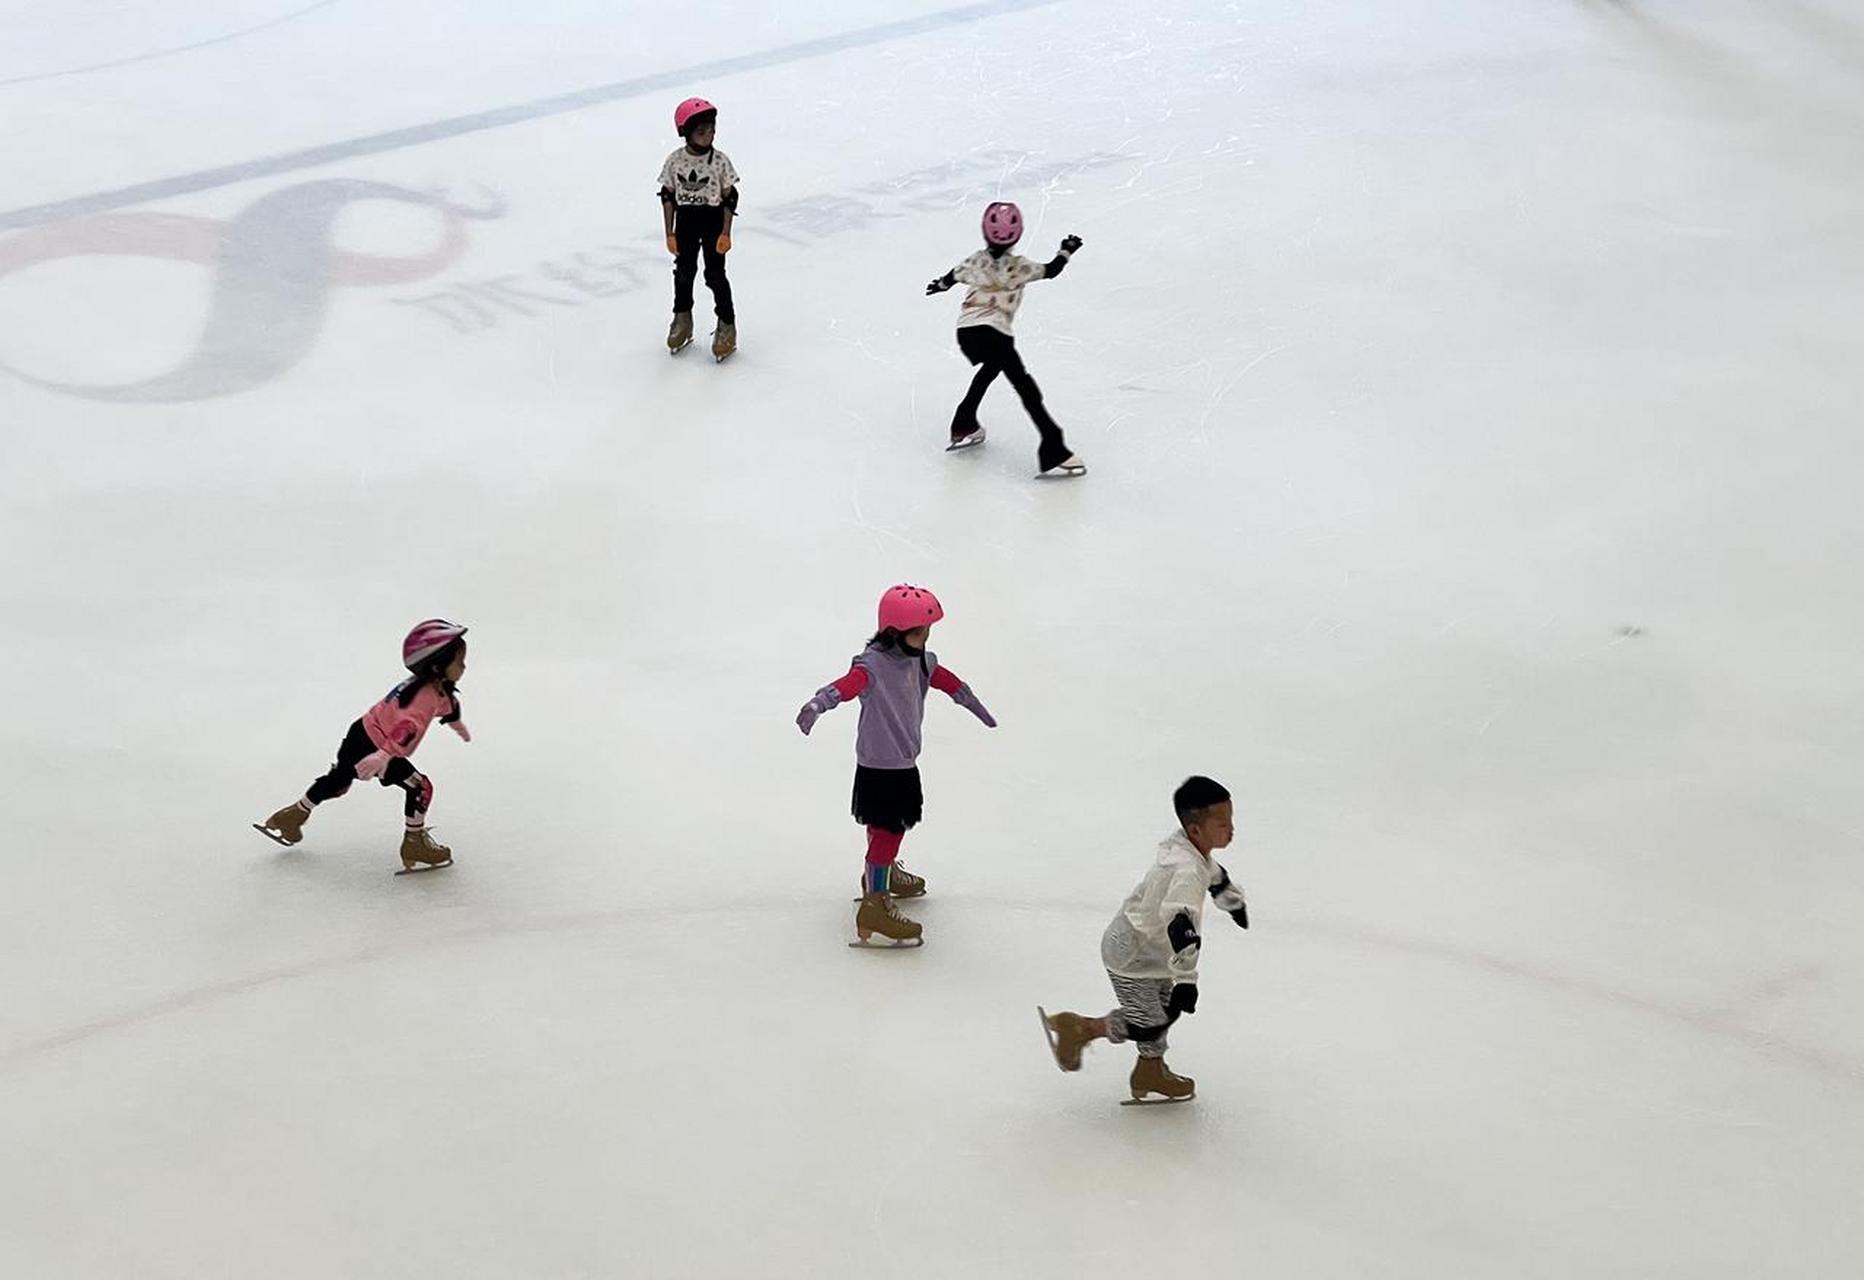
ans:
(970, 441)
(1067, 468)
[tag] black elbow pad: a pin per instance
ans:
(1182, 932)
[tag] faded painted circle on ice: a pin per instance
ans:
(79, 36)
(1724, 1023)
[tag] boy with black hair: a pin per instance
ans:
(1151, 948)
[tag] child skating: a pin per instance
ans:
(380, 743)
(1151, 948)
(996, 278)
(698, 199)
(891, 677)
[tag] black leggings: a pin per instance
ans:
(399, 773)
(696, 227)
(994, 352)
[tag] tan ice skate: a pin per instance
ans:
(878, 915)
(421, 852)
(285, 827)
(1068, 1034)
(724, 340)
(680, 335)
(1151, 1075)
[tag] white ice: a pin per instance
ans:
(1471, 393)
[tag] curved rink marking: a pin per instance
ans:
(153, 54)
(1719, 1021)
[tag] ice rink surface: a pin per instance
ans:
(1471, 395)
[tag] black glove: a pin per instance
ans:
(1070, 243)
(1183, 999)
(939, 285)
(1241, 915)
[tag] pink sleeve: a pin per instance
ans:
(850, 685)
(944, 681)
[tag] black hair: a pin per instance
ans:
(893, 640)
(1196, 794)
(433, 670)
(695, 120)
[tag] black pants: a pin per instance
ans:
(696, 227)
(399, 773)
(994, 352)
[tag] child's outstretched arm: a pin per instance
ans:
(943, 283)
(1229, 897)
(1053, 266)
(830, 696)
(945, 682)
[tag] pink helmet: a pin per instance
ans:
(1003, 223)
(427, 639)
(905, 607)
(687, 111)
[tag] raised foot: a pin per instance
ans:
(274, 837)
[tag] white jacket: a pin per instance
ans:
(996, 288)
(1139, 942)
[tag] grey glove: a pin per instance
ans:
(968, 700)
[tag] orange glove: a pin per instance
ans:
(673, 245)
(724, 242)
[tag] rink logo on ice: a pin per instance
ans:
(608, 270)
(273, 266)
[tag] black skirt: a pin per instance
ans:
(890, 799)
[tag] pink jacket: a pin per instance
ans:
(398, 730)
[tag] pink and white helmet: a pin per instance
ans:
(1003, 223)
(427, 639)
(905, 607)
(687, 111)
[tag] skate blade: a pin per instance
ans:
(424, 866)
(273, 836)
(965, 442)
(674, 351)
(904, 944)
(899, 897)
(1157, 1102)
(1061, 473)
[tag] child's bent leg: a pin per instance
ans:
(1054, 448)
(883, 848)
(1141, 1017)
(982, 346)
(418, 786)
(342, 772)
(686, 262)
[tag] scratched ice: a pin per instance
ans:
(1470, 394)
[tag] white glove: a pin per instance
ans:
(371, 766)
(459, 727)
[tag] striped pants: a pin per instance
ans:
(1141, 1016)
